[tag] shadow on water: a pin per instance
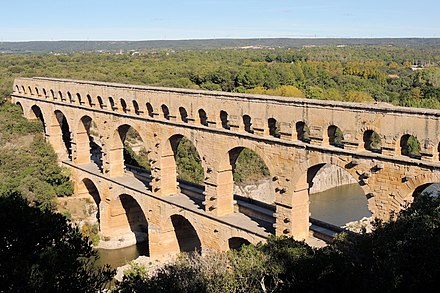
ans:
(339, 205)
(119, 257)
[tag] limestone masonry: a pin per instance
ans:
(220, 125)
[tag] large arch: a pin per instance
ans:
(334, 202)
(236, 243)
(60, 136)
(35, 113)
(170, 166)
(248, 202)
(186, 235)
(117, 153)
(89, 190)
(87, 146)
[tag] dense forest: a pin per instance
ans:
(405, 76)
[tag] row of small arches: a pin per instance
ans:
(409, 144)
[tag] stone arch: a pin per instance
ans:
(83, 140)
(29, 90)
(116, 154)
(36, 113)
(90, 100)
(150, 110)
(60, 136)
(124, 107)
(410, 146)
(136, 107)
(405, 194)
(128, 218)
(17, 89)
(247, 123)
(169, 167)
(203, 118)
(88, 189)
(111, 103)
(44, 93)
(224, 118)
(302, 131)
(183, 114)
(186, 235)
(165, 111)
(236, 243)
(21, 107)
(100, 102)
(60, 94)
(79, 99)
(23, 89)
(37, 91)
(52, 94)
(335, 136)
(372, 141)
(69, 96)
(274, 128)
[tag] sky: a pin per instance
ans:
(51, 20)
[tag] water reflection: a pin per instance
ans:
(339, 205)
(119, 257)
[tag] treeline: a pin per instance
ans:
(352, 73)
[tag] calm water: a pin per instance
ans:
(339, 205)
(119, 257)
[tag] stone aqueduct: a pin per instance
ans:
(220, 125)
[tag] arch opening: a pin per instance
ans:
(52, 95)
(430, 189)
(21, 107)
(302, 131)
(90, 101)
(336, 197)
(89, 143)
(236, 243)
(186, 235)
(274, 127)
(372, 141)
(100, 102)
(186, 167)
(410, 146)
(36, 114)
(135, 220)
(252, 187)
(136, 108)
(66, 135)
(224, 119)
(123, 104)
(183, 114)
(150, 110)
(78, 98)
(335, 136)
(165, 112)
(203, 118)
(247, 123)
(89, 190)
(60, 94)
(112, 104)
(37, 91)
(69, 96)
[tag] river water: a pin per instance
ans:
(119, 257)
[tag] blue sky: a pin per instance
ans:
(26, 20)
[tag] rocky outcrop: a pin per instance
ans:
(261, 190)
(330, 176)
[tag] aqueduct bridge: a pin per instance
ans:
(293, 136)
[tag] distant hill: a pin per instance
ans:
(115, 46)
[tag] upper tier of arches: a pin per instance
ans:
(410, 139)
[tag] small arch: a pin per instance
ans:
(90, 101)
(100, 102)
(123, 104)
(78, 98)
(45, 93)
(224, 119)
(52, 95)
(35, 114)
(302, 131)
(69, 96)
(203, 117)
(274, 128)
(60, 94)
(17, 89)
(21, 107)
(372, 141)
(335, 136)
(236, 243)
(183, 114)
(247, 122)
(29, 90)
(165, 112)
(37, 91)
(150, 110)
(186, 235)
(23, 89)
(410, 146)
(112, 103)
(136, 108)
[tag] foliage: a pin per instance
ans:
(249, 167)
(40, 252)
(398, 256)
(188, 162)
(28, 164)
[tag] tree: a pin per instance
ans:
(41, 252)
